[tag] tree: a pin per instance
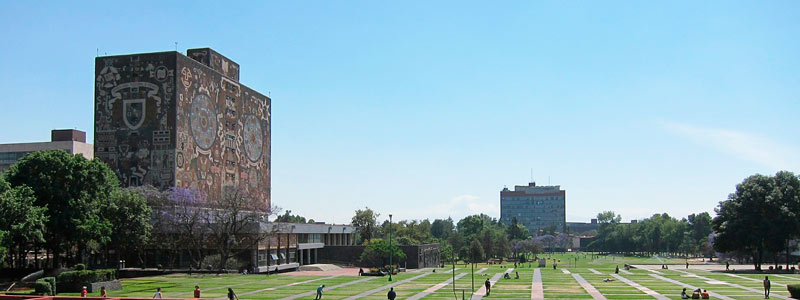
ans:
(470, 226)
(747, 222)
(376, 253)
(22, 224)
(367, 221)
(234, 222)
(73, 189)
(441, 229)
(517, 231)
(476, 253)
(287, 217)
(700, 225)
(130, 217)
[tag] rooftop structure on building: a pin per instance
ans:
(535, 207)
(70, 140)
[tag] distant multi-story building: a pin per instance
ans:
(535, 207)
(70, 140)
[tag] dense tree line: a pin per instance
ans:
(70, 208)
(661, 234)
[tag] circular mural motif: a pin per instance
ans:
(204, 121)
(253, 138)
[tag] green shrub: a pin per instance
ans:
(45, 286)
(80, 267)
(87, 276)
(794, 290)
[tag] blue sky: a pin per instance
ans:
(428, 109)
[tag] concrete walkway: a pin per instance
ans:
(640, 287)
(596, 271)
(386, 287)
(691, 287)
(588, 287)
(480, 293)
(280, 286)
(760, 291)
(626, 272)
(435, 288)
(481, 270)
(654, 271)
(452, 270)
(537, 290)
(328, 288)
(565, 271)
(757, 280)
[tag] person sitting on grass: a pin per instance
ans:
(506, 276)
(696, 294)
(704, 295)
(684, 295)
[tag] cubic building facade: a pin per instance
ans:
(173, 120)
(535, 207)
(70, 140)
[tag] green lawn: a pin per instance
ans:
(560, 283)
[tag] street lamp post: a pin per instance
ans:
(391, 267)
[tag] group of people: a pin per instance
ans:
(103, 292)
(697, 294)
(160, 295)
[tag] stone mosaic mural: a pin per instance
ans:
(169, 120)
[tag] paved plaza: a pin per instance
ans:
(586, 281)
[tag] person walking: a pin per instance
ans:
(391, 295)
(103, 292)
(197, 292)
(767, 285)
(158, 294)
(319, 292)
(232, 295)
(616, 270)
(84, 292)
(488, 287)
(727, 266)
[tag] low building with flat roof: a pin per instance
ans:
(70, 140)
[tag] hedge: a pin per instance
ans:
(794, 290)
(86, 276)
(45, 286)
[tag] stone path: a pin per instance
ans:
(626, 272)
(640, 287)
(435, 288)
(386, 287)
(787, 277)
(756, 280)
(187, 294)
(691, 287)
(281, 286)
(537, 290)
(314, 292)
(588, 287)
(759, 291)
(480, 293)
(654, 271)
(481, 270)
(452, 270)
(596, 271)
(565, 271)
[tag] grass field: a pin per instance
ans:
(564, 282)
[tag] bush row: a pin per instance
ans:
(83, 277)
(794, 290)
(45, 286)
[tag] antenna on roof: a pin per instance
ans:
(98, 53)
(531, 175)
(176, 46)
